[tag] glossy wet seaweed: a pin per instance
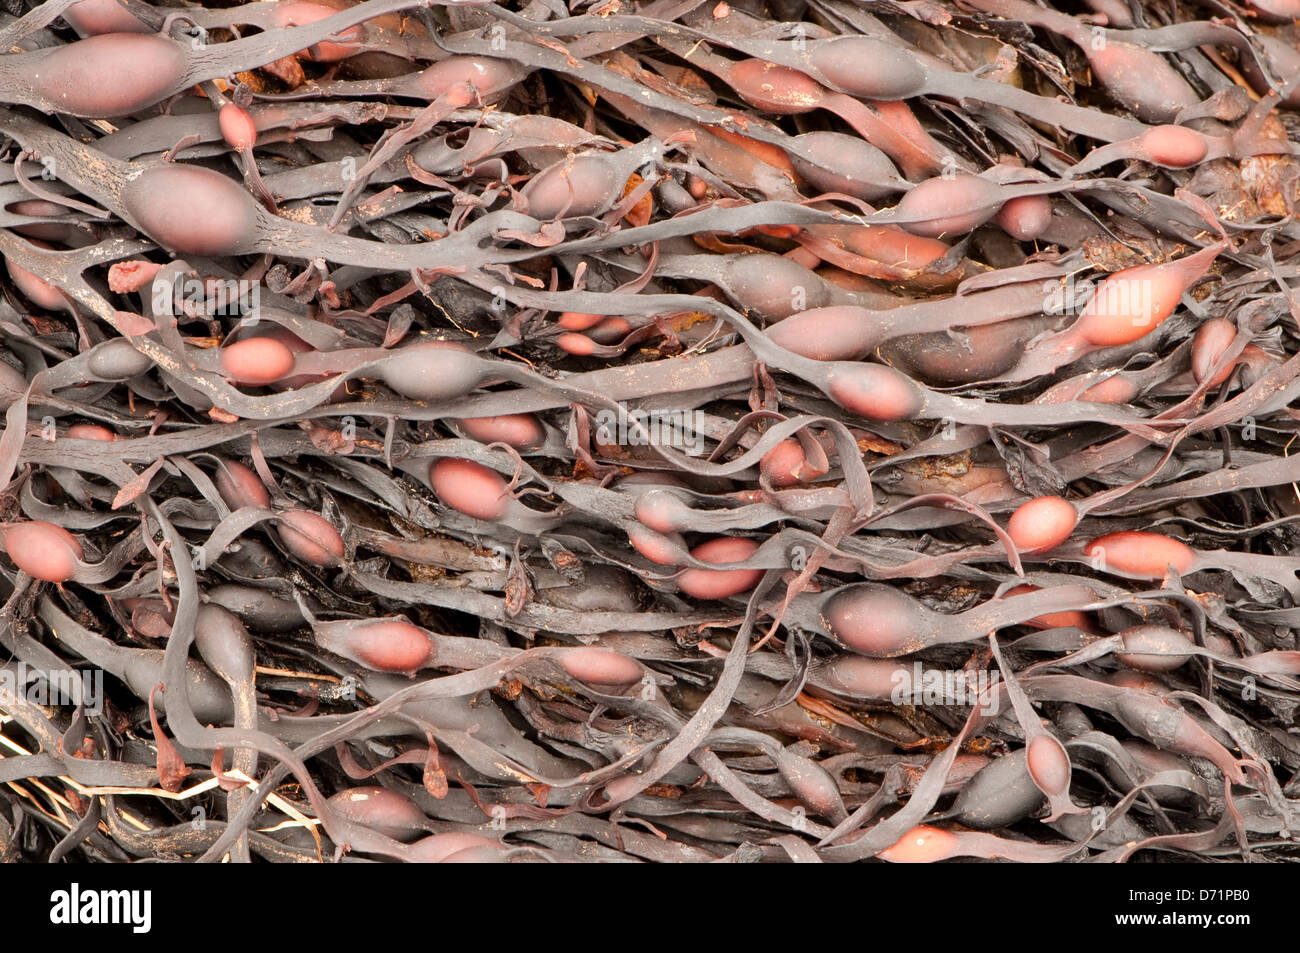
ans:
(503, 434)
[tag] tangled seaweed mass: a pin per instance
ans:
(649, 430)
